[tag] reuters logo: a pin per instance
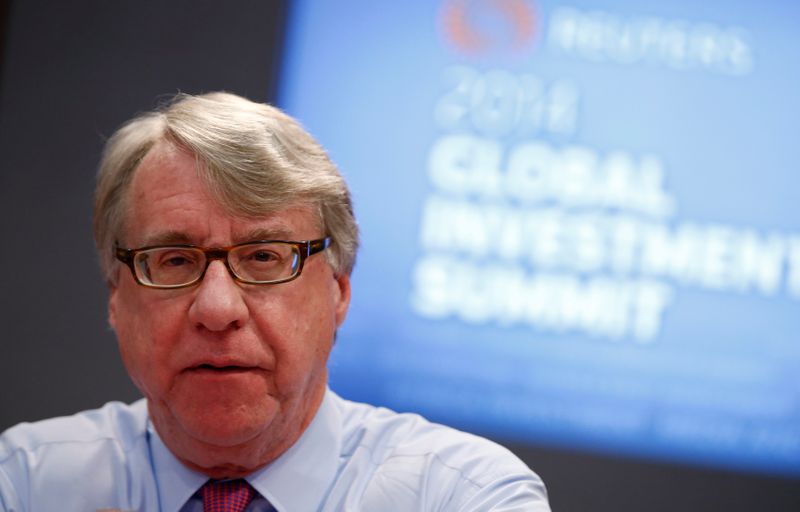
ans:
(482, 26)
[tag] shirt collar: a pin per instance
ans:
(297, 480)
(176, 483)
(301, 477)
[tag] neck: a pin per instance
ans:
(222, 460)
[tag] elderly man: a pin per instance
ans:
(227, 238)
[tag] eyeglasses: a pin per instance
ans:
(258, 262)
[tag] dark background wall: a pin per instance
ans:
(71, 73)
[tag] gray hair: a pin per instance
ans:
(254, 159)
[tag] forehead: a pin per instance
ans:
(169, 202)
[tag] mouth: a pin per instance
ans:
(220, 370)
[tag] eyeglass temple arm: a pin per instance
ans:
(315, 246)
(123, 255)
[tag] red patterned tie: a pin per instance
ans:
(226, 495)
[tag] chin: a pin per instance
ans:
(215, 420)
(228, 426)
(225, 435)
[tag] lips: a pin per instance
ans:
(220, 367)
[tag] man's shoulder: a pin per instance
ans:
(404, 461)
(403, 446)
(409, 433)
(121, 423)
(81, 462)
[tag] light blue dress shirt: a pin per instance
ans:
(352, 457)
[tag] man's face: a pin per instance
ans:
(227, 368)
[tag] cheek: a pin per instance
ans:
(145, 336)
(300, 336)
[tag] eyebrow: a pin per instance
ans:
(276, 233)
(167, 238)
(181, 238)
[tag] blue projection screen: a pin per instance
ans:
(580, 220)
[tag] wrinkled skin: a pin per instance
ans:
(233, 373)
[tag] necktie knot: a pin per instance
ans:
(226, 495)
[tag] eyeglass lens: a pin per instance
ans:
(258, 263)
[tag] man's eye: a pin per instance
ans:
(263, 256)
(176, 260)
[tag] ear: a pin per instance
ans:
(112, 306)
(343, 299)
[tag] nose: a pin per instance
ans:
(218, 305)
